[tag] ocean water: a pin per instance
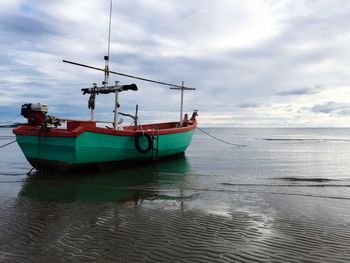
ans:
(283, 197)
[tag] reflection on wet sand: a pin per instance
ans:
(52, 210)
(120, 183)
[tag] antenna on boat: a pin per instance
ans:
(106, 58)
(92, 98)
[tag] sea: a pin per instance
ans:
(247, 195)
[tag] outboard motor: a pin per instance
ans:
(35, 113)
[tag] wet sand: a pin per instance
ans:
(154, 222)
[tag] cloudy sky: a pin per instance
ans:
(254, 63)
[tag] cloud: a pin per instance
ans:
(331, 107)
(25, 26)
(300, 91)
(249, 105)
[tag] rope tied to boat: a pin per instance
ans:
(2, 146)
(220, 140)
(10, 121)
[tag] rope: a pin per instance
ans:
(2, 146)
(233, 144)
(9, 121)
(127, 75)
(30, 171)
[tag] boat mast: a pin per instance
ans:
(105, 83)
(182, 103)
(106, 68)
(106, 58)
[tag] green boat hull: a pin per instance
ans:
(95, 149)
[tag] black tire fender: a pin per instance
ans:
(137, 142)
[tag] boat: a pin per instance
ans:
(52, 143)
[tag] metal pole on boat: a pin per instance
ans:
(182, 102)
(92, 114)
(182, 88)
(92, 103)
(116, 109)
(106, 58)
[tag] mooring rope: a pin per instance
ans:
(9, 121)
(233, 144)
(7, 144)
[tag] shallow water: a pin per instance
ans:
(285, 197)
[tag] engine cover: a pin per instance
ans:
(35, 113)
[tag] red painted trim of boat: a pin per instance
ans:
(75, 128)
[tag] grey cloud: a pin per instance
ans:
(300, 91)
(325, 108)
(27, 24)
(345, 112)
(249, 105)
(330, 107)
